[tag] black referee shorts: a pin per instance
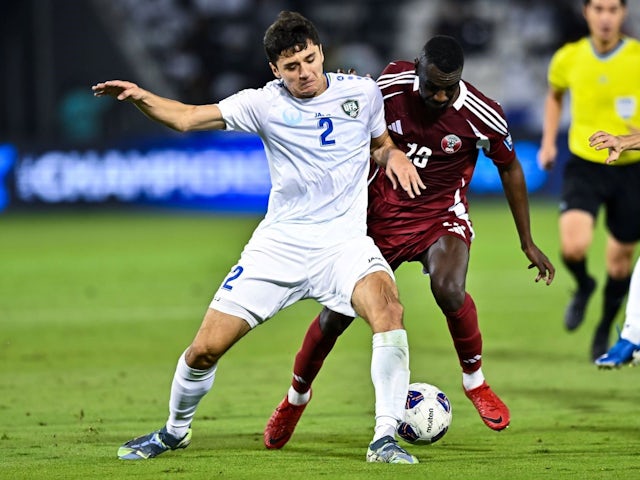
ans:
(588, 186)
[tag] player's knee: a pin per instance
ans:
(393, 312)
(619, 262)
(201, 356)
(448, 295)
(619, 270)
(384, 318)
(574, 248)
(573, 253)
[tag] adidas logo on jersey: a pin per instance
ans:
(395, 127)
(474, 359)
(455, 228)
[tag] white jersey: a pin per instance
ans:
(318, 154)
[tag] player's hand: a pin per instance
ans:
(547, 157)
(601, 140)
(400, 171)
(351, 71)
(546, 270)
(119, 89)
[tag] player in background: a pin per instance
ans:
(441, 122)
(317, 131)
(601, 73)
(627, 348)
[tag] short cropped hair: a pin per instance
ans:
(623, 2)
(290, 33)
(444, 52)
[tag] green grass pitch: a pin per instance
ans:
(95, 309)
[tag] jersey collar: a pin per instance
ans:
(462, 96)
(610, 53)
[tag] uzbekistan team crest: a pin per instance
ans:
(351, 108)
(451, 143)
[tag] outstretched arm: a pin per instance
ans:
(515, 190)
(615, 143)
(173, 114)
(398, 167)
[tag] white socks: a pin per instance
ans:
(188, 387)
(296, 398)
(631, 328)
(390, 376)
(472, 380)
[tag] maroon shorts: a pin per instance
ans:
(404, 240)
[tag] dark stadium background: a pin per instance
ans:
(61, 146)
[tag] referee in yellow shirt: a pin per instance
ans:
(602, 74)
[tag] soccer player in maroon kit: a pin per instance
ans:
(441, 122)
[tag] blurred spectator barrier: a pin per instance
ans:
(215, 172)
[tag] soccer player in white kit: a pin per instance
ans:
(318, 130)
(627, 348)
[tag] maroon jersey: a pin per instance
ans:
(444, 147)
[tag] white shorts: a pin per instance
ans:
(271, 275)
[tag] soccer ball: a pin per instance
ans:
(427, 415)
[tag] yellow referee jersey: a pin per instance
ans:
(604, 92)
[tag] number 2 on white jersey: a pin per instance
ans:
(327, 124)
(235, 273)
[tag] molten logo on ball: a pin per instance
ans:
(427, 414)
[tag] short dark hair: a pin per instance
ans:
(290, 33)
(587, 2)
(444, 52)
